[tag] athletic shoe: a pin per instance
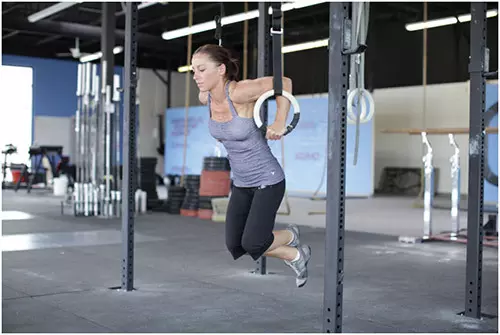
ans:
(294, 229)
(300, 265)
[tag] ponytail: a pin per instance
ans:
(222, 55)
(233, 69)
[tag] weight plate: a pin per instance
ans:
(216, 163)
(176, 193)
(205, 214)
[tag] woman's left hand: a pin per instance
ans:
(275, 131)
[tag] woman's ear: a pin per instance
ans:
(222, 69)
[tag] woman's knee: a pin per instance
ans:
(256, 245)
(235, 248)
(232, 244)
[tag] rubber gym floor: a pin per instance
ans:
(58, 271)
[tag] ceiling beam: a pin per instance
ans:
(165, 18)
(48, 53)
(10, 34)
(404, 7)
(84, 31)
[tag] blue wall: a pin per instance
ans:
(54, 86)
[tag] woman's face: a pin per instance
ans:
(206, 72)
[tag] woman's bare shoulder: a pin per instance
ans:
(249, 90)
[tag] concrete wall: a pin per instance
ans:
(446, 105)
(179, 90)
(153, 103)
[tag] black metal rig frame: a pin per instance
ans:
(479, 72)
(335, 214)
(129, 145)
(337, 129)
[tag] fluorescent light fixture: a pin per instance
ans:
(58, 7)
(285, 49)
(118, 49)
(210, 25)
(206, 26)
(91, 57)
(468, 17)
(445, 21)
(184, 68)
(146, 4)
(88, 58)
(431, 23)
(305, 46)
(300, 4)
(142, 5)
(296, 5)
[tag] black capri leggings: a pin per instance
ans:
(250, 219)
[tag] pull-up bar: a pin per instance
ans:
(436, 131)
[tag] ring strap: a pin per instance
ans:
(277, 33)
(218, 24)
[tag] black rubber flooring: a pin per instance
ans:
(57, 273)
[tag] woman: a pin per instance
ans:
(258, 179)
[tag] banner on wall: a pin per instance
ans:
(199, 142)
(491, 166)
(304, 148)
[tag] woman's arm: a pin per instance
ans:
(248, 91)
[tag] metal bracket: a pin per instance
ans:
(347, 48)
(276, 32)
(357, 50)
(491, 75)
(163, 80)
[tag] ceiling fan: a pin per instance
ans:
(73, 52)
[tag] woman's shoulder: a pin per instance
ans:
(247, 90)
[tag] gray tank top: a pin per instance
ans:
(252, 162)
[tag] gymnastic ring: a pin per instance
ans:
(264, 97)
(363, 117)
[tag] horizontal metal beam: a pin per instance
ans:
(81, 30)
(163, 80)
(168, 18)
(143, 60)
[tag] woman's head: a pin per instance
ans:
(211, 64)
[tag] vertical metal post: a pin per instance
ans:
(338, 68)
(477, 67)
(263, 31)
(129, 145)
(169, 88)
(428, 187)
(108, 40)
(86, 133)
(78, 138)
(108, 27)
(455, 188)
